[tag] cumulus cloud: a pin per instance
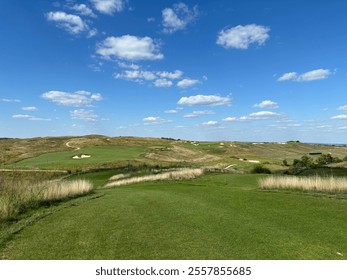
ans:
(83, 10)
(196, 114)
(108, 7)
(209, 100)
(211, 123)
(31, 108)
(170, 75)
(70, 23)
(162, 78)
(136, 75)
(128, 47)
(76, 99)
(178, 17)
(288, 77)
(85, 115)
(339, 117)
(318, 74)
(187, 83)
(262, 115)
(230, 119)
(154, 120)
(163, 83)
(241, 37)
(344, 108)
(267, 104)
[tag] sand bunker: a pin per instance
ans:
(81, 156)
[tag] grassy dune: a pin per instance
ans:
(316, 183)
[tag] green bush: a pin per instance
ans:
(259, 169)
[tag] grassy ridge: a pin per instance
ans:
(213, 217)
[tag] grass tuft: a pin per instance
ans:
(15, 198)
(172, 175)
(315, 183)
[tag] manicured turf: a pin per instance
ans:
(99, 154)
(214, 217)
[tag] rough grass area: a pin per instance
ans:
(215, 216)
(17, 198)
(316, 183)
(171, 175)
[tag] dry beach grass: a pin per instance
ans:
(315, 183)
(15, 198)
(171, 175)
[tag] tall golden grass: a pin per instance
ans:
(171, 175)
(16, 198)
(316, 183)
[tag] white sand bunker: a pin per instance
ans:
(81, 156)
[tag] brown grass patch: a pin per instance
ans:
(316, 183)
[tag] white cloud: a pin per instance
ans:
(210, 100)
(29, 117)
(178, 17)
(20, 116)
(313, 75)
(230, 119)
(77, 99)
(71, 23)
(339, 117)
(267, 104)
(196, 114)
(344, 108)
(262, 115)
(85, 115)
(162, 78)
(288, 77)
(187, 83)
(83, 10)
(10, 100)
(170, 75)
(136, 75)
(163, 83)
(154, 120)
(241, 37)
(210, 123)
(31, 108)
(318, 74)
(108, 6)
(128, 66)
(171, 111)
(129, 47)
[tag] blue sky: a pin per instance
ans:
(202, 70)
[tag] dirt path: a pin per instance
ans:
(68, 145)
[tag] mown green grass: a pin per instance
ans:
(64, 160)
(214, 217)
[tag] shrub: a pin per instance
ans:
(258, 169)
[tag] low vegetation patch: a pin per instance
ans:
(15, 198)
(316, 183)
(171, 175)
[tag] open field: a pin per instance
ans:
(212, 217)
(200, 216)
